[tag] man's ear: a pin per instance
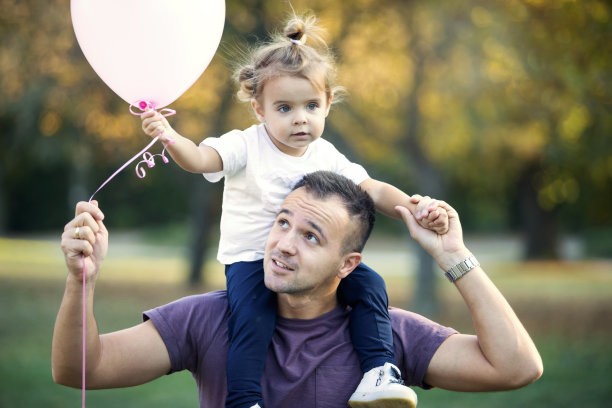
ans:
(350, 262)
(258, 110)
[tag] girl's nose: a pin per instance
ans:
(299, 118)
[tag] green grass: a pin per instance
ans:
(576, 374)
(26, 328)
(567, 308)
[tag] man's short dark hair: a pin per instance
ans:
(358, 204)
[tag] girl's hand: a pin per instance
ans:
(446, 249)
(155, 124)
(430, 214)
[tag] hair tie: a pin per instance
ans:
(296, 42)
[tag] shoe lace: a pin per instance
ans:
(393, 378)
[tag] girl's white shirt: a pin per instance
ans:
(258, 177)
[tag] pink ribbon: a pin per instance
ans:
(149, 159)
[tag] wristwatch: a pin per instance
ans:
(462, 268)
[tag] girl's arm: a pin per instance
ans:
(188, 155)
(386, 197)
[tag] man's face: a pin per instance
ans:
(303, 252)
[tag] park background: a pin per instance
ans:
(503, 109)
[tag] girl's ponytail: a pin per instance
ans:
(288, 54)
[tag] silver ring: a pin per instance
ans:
(76, 233)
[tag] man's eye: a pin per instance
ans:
(312, 238)
(283, 223)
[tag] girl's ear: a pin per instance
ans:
(258, 110)
(329, 103)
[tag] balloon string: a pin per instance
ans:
(149, 159)
(84, 334)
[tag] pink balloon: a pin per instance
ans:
(151, 50)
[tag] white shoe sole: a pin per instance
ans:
(403, 397)
(384, 403)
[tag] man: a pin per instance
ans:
(311, 361)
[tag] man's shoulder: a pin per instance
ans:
(404, 319)
(211, 302)
(211, 306)
(400, 314)
(411, 330)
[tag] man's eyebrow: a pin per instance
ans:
(319, 230)
(311, 223)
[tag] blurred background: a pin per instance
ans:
(502, 109)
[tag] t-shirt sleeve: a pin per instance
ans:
(416, 340)
(186, 327)
(347, 168)
(232, 147)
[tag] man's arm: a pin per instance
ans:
(119, 359)
(501, 355)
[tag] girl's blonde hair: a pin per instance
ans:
(288, 54)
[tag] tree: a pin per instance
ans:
(493, 106)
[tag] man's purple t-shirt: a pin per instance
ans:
(311, 363)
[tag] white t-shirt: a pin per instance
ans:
(258, 177)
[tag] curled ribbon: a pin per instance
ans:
(142, 105)
(147, 157)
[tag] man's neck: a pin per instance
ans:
(293, 306)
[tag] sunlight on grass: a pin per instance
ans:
(43, 259)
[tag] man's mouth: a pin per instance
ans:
(282, 265)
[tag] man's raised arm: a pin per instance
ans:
(120, 359)
(501, 355)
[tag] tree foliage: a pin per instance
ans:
(496, 102)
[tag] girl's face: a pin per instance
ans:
(293, 111)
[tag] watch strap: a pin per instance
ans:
(462, 268)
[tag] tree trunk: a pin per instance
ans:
(3, 203)
(539, 227)
(204, 215)
(429, 182)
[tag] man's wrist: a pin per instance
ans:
(76, 283)
(457, 271)
(449, 259)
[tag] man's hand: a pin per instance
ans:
(85, 235)
(447, 249)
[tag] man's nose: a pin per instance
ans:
(287, 244)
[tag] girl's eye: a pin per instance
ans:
(284, 109)
(312, 106)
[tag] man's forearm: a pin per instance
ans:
(502, 338)
(66, 355)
